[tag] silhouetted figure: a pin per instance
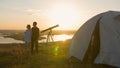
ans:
(34, 37)
(27, 34)
(27, 38)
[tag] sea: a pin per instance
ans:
(51, 38)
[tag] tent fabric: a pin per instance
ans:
(109, 30)
(81, 39)
(110, 40)
(93, 50)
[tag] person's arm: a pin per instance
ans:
(31, 33)
(38, 33)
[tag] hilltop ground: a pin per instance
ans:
(53, 55)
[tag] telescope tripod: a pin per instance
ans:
(49, 37)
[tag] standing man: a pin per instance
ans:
(34, 37)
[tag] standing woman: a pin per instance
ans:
(27, 38)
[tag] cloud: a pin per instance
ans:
(37, 14)
(33, 11)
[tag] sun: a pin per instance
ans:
(64, 15)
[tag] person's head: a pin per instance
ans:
(34, 24)
(28, 27)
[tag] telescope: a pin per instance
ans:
(49, 35)
(49, 28)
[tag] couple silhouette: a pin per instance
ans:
(31, 37)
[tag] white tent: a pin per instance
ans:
(102, 31)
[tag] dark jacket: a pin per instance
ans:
(35, 33)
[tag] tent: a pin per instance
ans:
(98, 40)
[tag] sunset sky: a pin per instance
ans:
(69, 14)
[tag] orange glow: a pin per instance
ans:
(64, 15)
(62, 37)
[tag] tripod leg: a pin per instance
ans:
(47, 38)
(52, 38)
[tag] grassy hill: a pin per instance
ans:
(53, 55)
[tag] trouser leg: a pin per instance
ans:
(32, 46)
(36, 45)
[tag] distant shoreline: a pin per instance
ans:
(19, 34)
(56, 32)
(39, 42)
(10, 46)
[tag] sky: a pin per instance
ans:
(69, 14)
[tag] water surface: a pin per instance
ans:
(62, 37)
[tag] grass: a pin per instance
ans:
(53, 55)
